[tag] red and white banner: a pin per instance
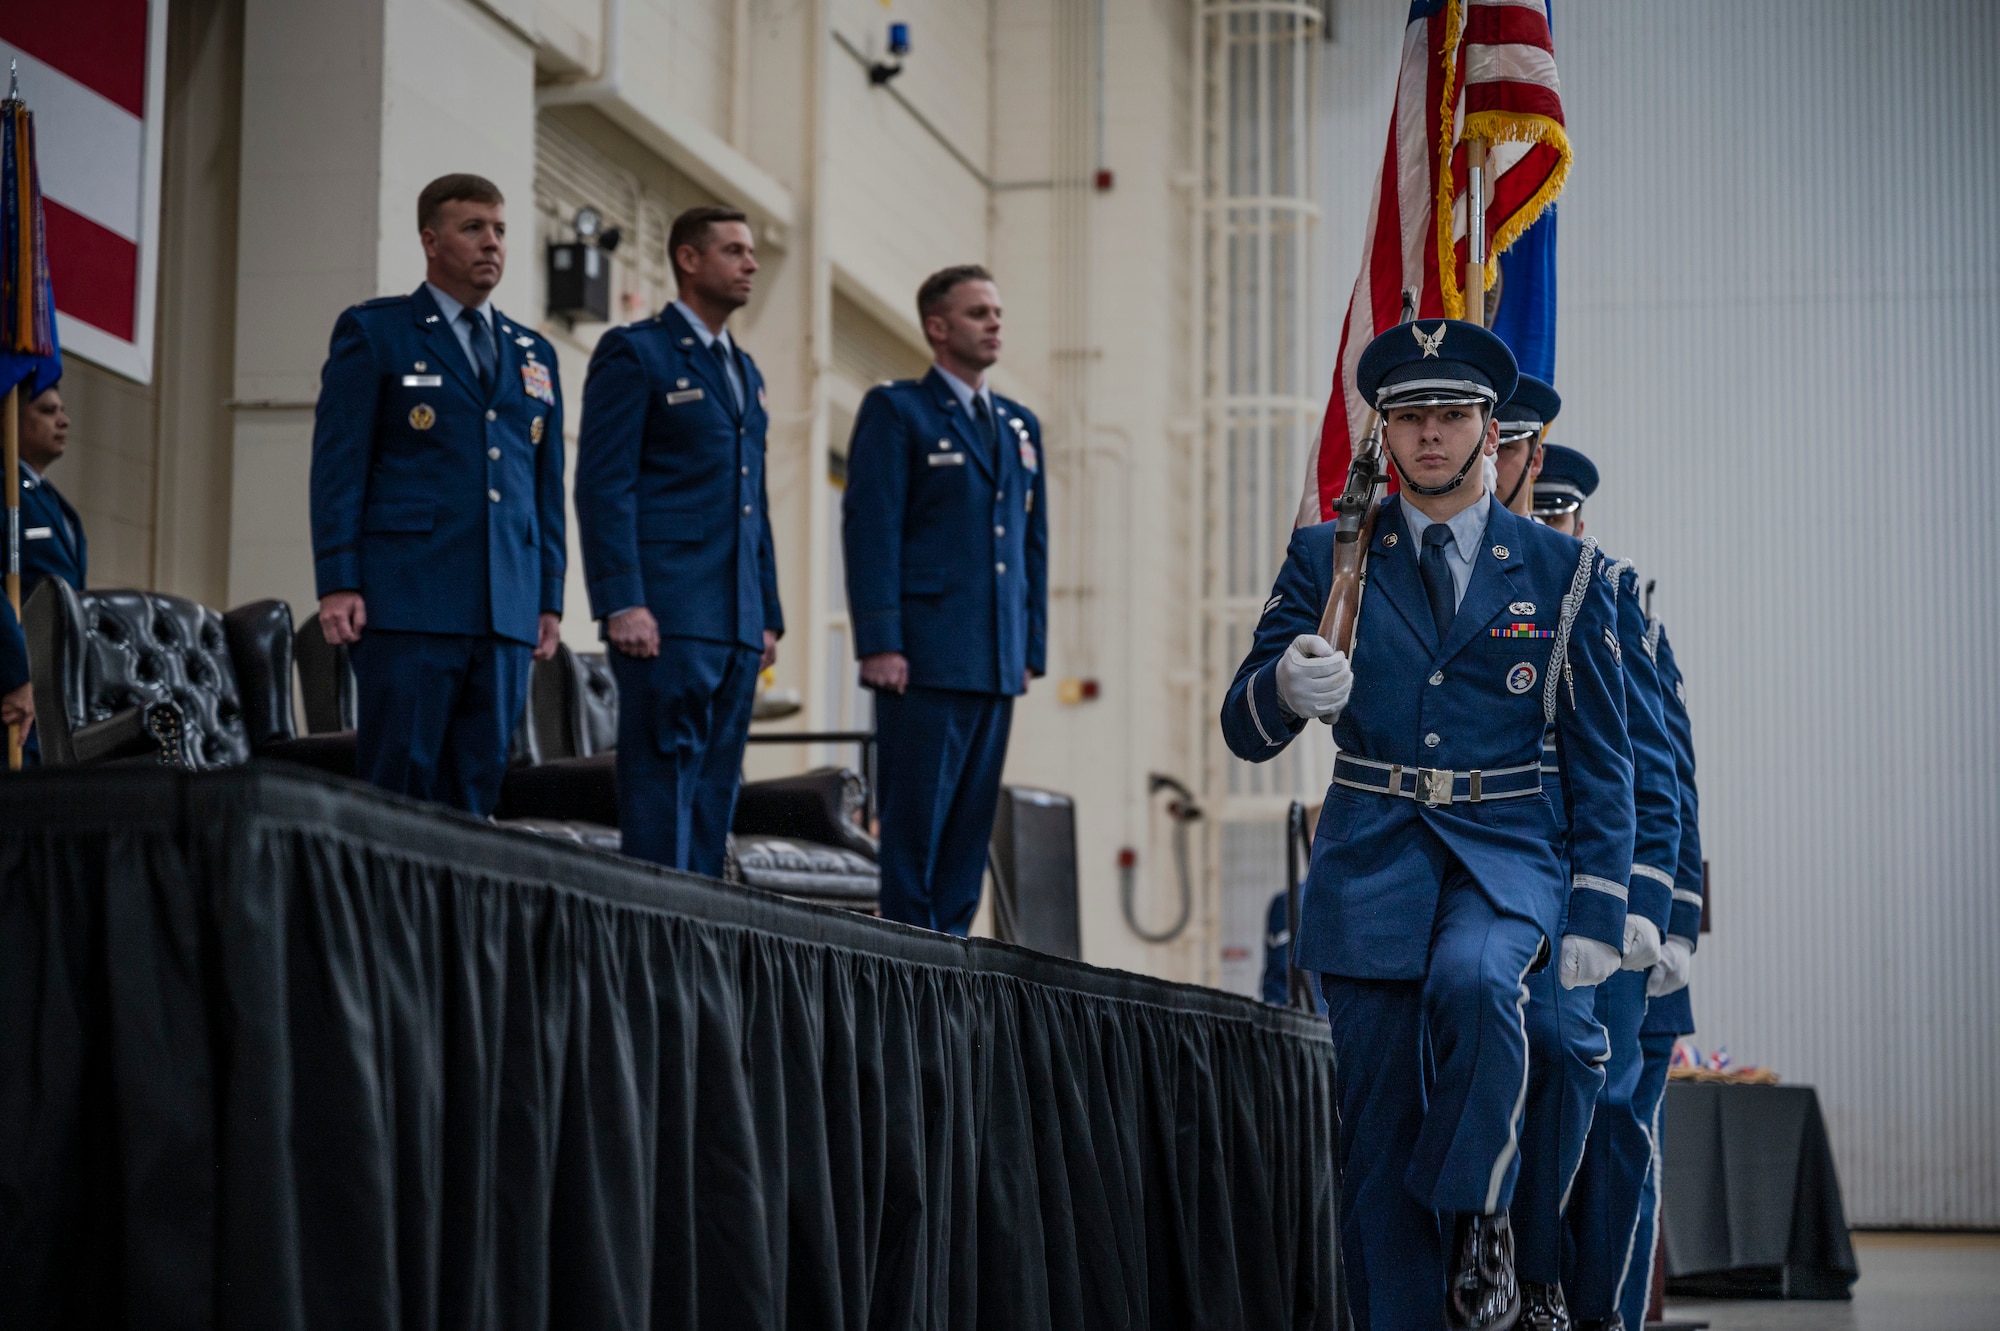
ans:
(94, 73)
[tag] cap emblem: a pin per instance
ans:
(1433, 342)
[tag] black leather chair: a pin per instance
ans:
(142, 675)
(802, 836)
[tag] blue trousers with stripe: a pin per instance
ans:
(1603, 1214)
(1567, 1048)
(1658, 1051)
(1431, 1079)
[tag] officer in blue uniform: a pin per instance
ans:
(1435, 887)
(945, 529)
(1578, 1107)
(437, 509)
(1603, 1203)
(52, 539)
(676, 528)
(1669, 1013)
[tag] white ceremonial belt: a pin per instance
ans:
(1436, 786)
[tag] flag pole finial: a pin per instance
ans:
(13, 79)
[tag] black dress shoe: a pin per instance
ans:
(1611, 1323)
(1542, 1307)
(1480, 1293)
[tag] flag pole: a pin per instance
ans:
(1475, 231)
(10, 433)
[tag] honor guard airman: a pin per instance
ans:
(945, 531)
(1435, 887)
(1574, 1107)
(676, 535)
(437, 509)
(1669, 1013)
(1524, 422)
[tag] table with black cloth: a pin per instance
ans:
(277, 1051)
(1750, 1199)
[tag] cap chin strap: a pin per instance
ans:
(1526, 469)
(1432, 491)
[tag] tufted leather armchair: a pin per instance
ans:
(135, 674)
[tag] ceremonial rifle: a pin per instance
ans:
(1354, 529)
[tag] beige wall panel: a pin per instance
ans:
(197, 322)
(569, 35)
(458, 95)
(1119, 503)
(678, 54)
(945, 76)
(901, 208)
(310, 177)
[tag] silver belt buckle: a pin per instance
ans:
(1437, 785)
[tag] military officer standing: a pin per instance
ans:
(52, 539)
(437, 509)
(1435, 887)
(945, 528)
(676, 528)
(1573, 1110)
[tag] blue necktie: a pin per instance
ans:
(1437, 578)
(989, 433)
(721, 354)
(482, 348)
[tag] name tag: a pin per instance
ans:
(952, 459)
(39, 533)
(423, 381)
(685, 395)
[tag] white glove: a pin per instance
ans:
(1585, 961)
(1642, 943)
(1313, 679)
(1671, 975)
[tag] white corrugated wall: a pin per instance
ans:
(1780, 341)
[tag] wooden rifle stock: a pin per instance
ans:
(1353, 532)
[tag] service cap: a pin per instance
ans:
(1533, 408)
(1436, 363)
(1568, 478)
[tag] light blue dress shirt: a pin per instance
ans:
(965, 392)
(708, 340)
(449, 308)
(1461, 552)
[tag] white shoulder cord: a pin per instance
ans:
(1579, 587)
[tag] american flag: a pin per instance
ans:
(1478, 68)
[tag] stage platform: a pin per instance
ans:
(277, 1051)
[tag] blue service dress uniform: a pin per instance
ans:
(945, 533)
(1603, 1209)
(53, 545)
(1425, 911)
(440, 500)
(1669, 1016)
(52, 539)
(1570, 1102)
(673, 514)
